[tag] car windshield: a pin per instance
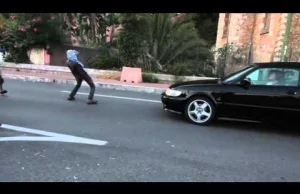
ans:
(237, 74)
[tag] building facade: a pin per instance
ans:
(259, 37)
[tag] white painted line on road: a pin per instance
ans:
(51, 136)
(119, 97)
(26, 138)
(28, 130)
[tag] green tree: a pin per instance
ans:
(89, 29)
(159, 40)
(23, 31)
(207, 26)
(130, 39)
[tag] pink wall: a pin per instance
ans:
(46, 58)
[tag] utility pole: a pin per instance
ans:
(250, 50)
(286, 38)
(226, 48)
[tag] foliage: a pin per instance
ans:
(130, 39)
(232, 52)
(172, 43)
(229, 54)
(23, 31)
(89, 29)
(208, 69)
(207, 26)
(191, 68)
(129, 47)
(107, 59)
(149, 78)
(104, 62)
(17, 55)
(2, 18)
(179, 69)
(157, 40)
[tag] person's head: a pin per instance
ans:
(72, 54)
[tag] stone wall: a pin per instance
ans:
(239, 36)
(240, 26)
(267, 45)
(32, 68)
(246, 27)
(294, 42)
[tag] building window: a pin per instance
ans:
(266, 22)
(226, 25)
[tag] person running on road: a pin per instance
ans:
(2, 91)
(80, 74)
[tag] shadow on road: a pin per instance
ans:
(288, 129)
(283, 129)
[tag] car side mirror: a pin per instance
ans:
(245, 83)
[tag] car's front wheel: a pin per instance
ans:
(200, 111)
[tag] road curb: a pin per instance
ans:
(122, 87)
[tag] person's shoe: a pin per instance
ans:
(92, 102)
(71, 98)
(3, 92)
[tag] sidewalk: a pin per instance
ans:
(102, 83)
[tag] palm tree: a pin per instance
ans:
(166, 39)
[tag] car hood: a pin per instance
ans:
(196, 82)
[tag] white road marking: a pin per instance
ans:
(119, 97)
(51, 136)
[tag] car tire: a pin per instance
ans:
(209, 109)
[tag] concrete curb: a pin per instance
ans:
(163, 78)
(122, 87)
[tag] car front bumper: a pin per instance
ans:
(173, 104)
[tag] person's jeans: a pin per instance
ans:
(80, 74)
(1, 83)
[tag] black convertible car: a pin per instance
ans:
(261, 92)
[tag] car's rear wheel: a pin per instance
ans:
(200, 111)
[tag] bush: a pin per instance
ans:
(18, 55)
(149, 78)
(179, 69)
(105, 62)
(191, 68)
(20, 32)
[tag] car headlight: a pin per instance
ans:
(172, 92)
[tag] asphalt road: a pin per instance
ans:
(145, 143)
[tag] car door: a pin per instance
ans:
(231, 96)
(285, 101)
(273, 99)
(234, 104)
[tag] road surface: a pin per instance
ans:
(140, 141)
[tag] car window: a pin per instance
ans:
(274, 77)
(237, 74)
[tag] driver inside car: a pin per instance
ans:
(276, 77)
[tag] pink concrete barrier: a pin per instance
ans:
(131, 75)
